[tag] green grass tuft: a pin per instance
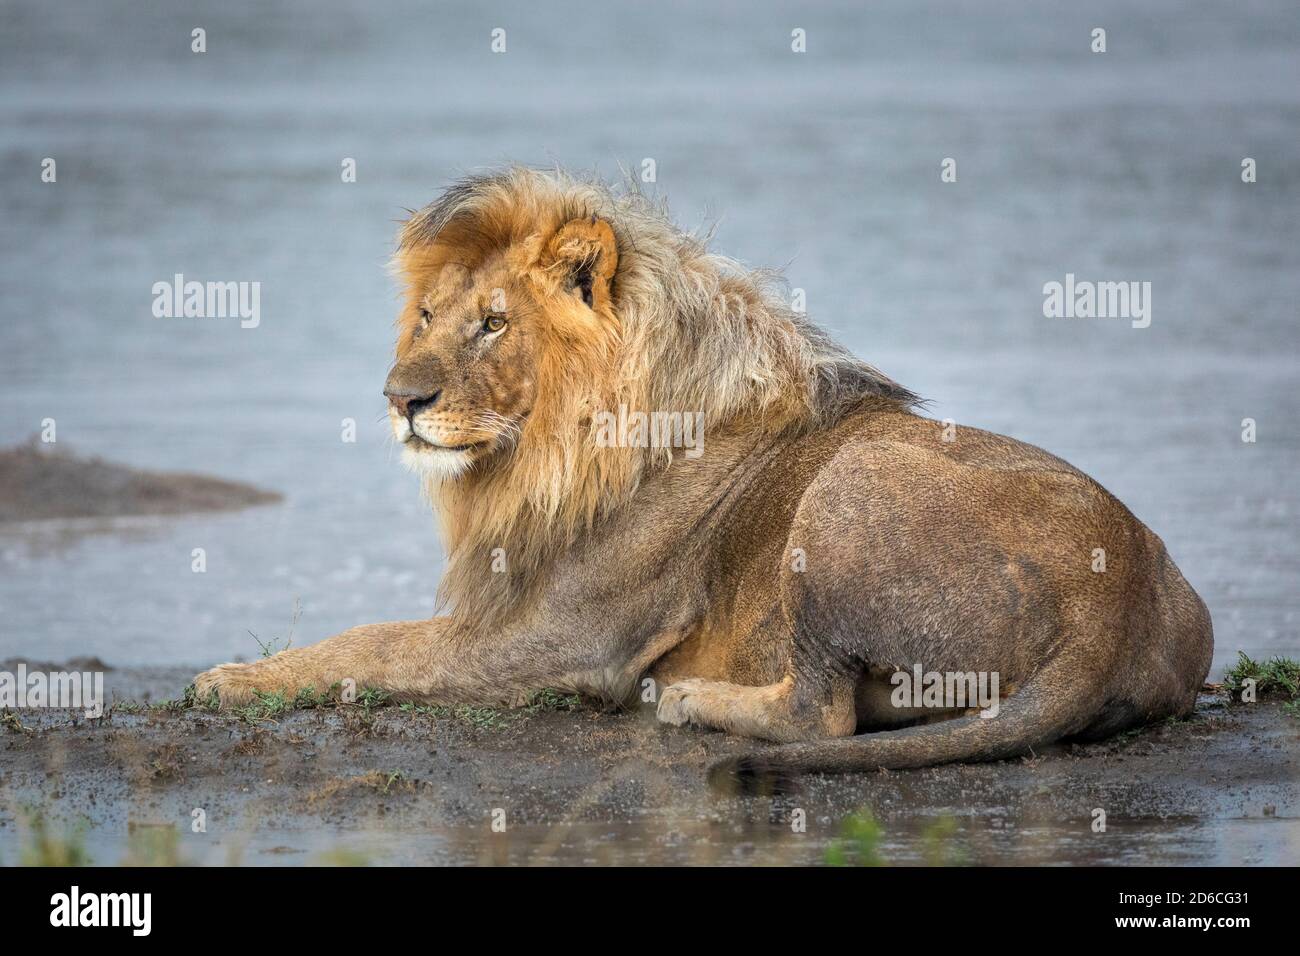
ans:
(264, 706)
(1275, 678)
(859, 842)
(369, 699)
(547, 699)
(861, 837)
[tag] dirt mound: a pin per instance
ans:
(39, 482)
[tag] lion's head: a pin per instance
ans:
(489, 321)
(535, 301)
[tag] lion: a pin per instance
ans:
(825, 539)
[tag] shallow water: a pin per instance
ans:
(579, 788)
(659, 843)
(226, 166)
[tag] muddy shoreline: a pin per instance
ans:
(40, 482)
(382, 785)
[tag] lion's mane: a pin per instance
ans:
(689, 331)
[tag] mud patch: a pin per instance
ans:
(582, 786)
(40, 482)
(375, 781)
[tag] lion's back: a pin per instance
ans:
(910, 534)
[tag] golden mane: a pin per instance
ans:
(687, 331)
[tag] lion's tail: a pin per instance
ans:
(1045, 709)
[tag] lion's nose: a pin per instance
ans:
(410, 402)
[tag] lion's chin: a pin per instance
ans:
(432, 461)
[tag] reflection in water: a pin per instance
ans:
(295, 793)
(713, 843)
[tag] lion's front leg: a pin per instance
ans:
(428, 661)
(407, 659)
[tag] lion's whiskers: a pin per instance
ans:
(496, 427)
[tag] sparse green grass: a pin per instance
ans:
(484, 718)
(44, 844)
(187, 701)
(859, 842)
(175, 706)
(153, 846)
(270, 648)
(265, 705)
(46, 847)
(341, 857)
(492, 718)
(270, 705)
(1275, 678)
(552, 700)
(939, 845)
(424, 710)
(370, 699)
(861, 836)
(11, 722)
(309, 699)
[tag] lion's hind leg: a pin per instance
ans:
(777, 712)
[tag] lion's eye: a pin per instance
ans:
(494, 323)
(425, 318)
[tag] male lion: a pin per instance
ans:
(824, 538)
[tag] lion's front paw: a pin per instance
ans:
(233, 684)
(675, 703)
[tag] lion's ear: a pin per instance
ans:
(585, 254)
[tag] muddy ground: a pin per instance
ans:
(380, 785)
